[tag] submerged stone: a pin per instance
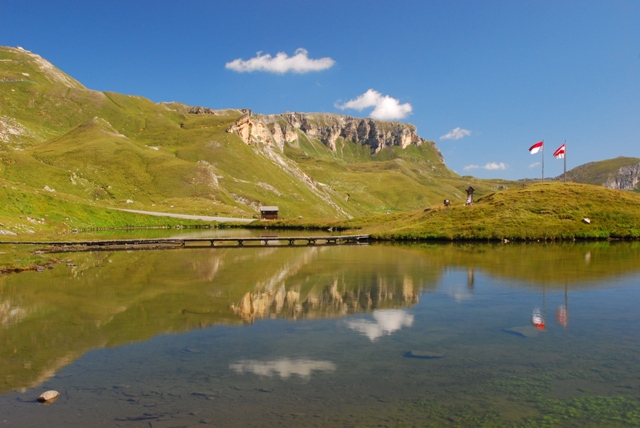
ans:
(427, 355)
(48, 397)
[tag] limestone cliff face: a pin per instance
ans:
(255, 130)
(627, 178)
(326, 127)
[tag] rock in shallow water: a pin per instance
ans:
(423, 354)
(48, 397)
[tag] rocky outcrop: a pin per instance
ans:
(327, 128)
(270, 133)
(254, 130)
(627, 178)
(209, 110)
(12, 131)
(187, 109)
(201, 110)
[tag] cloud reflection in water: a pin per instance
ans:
(283, 367)
(385, 322)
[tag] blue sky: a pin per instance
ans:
(484, 79)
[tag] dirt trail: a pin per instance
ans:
(194, 217)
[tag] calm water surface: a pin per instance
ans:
(424, 335)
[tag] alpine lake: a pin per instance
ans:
(432, 334)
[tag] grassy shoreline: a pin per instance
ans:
(543, 212)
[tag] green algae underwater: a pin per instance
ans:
(323, 336)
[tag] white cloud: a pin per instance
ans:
(495, 166)
(535, 164)
(283, 367)
(456, 134)
(281, 63)
(386, 322)
(491, 166)
(384, 107)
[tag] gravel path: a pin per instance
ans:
(194, 217)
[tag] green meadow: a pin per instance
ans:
(65, 148)
(542, 211)
(71, 157)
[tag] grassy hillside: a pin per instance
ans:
(68, 155)
(105, 150)
(539, 211)
(30, 213)
(548, 210)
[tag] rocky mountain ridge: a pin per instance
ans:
(328, 128)
(621, 173)
(627, 178)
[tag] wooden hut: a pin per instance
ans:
(269, 213)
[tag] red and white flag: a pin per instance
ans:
(559, 154)
(562, 316)
(535, 148)
(537, 319)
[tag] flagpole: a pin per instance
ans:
(566, 305)
(542, 161)
(544, 303)
(565, 161)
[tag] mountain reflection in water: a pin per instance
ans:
(49, 319)
(338, 298)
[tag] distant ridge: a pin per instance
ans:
(621, 173)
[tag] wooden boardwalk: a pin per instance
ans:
(158, 243)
